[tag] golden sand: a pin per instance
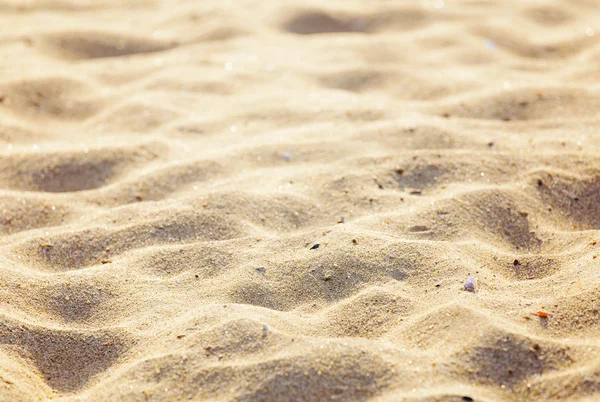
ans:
(167, 169)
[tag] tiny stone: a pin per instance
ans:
(471, 285)
(315, 246)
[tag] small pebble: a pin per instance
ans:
(287, 156)
(471, 285)
(315, 246)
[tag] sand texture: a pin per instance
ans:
(168, 168)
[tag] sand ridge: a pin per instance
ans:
(167, 169)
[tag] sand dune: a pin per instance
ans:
(168, 168)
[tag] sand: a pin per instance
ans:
(168, 168)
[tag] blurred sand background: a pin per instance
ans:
(168, 167)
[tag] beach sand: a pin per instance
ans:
(283, 200)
